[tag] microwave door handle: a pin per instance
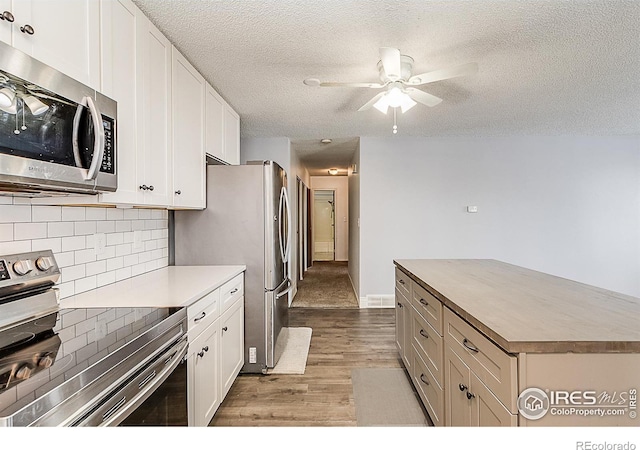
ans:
(98, 147)
(76, 127)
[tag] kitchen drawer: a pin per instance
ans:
(428, 306)
(495, 368)
(203, 313)
(403, 283)
(429, 390)
(231, 291)
(429, 345)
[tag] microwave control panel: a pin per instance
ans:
(109, 158)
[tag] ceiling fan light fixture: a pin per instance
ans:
(407, 103)
(12, 108)
(382, 104)
(36, 106)
(7, 96)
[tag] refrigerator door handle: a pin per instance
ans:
(287, 252)
(280, 206)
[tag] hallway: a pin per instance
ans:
(326, 285)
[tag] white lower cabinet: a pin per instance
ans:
(216, 349)
(204, 375)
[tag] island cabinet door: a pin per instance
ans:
(204, 381)
(486, 409)
(457, 380)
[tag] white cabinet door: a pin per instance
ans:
(231, 136)
(6, 27)
(232, 345)
(154, 175)
(66, 35)
(121, 21)
(204, 384)
(188, 95)
(214, 128)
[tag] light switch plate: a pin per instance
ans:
(472, 209)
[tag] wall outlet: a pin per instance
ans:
(472, 209)
(99, 243)
(252, 355)
(137, 240)
(101, 329)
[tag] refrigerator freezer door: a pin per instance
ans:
(277, 306)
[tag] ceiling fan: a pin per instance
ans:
(395, 75)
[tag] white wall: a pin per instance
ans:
(354, 224)
(69, 233)
(340, 185)
(568, 206)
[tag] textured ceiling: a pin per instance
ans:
(318, 158)
(546, 67)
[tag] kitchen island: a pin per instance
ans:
(475, 334)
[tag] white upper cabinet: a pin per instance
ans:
(222, 128)
(188, 134)
(6, 27)
(231, 136)
(121, 24)
(62, 34)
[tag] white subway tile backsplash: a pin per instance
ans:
(84, 228)
(96, 214)
(59, 229)
(70, 233)
(73, 243)
(114, 214)
(6, 232)
(15, 213)
(73, 213)
(46, 213)
(7, 248)
(22, 231)
(53, 244)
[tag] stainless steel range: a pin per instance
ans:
(84, 366)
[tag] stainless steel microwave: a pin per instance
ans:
(56, 134)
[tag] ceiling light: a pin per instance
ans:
(333, 171)
(35, 105)
(326, 141)
(7, 96)
(12, 108)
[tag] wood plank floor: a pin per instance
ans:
(341, 340)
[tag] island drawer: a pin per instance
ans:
(403, 283)
(495, 368)
(231, 291)
(427, 306)
(429, 344)
(429, 390)
(203, 313)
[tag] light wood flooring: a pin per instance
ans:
(342, 340)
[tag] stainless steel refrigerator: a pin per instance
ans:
(247, 221)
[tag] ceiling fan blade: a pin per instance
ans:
(390, 58)
(443, 74)
(362, 85)
(423, 97)
(371, 102)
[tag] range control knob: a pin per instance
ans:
(23, 372)
(23, 266)
(44, 263)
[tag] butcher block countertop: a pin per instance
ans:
(172, 286)
(524, 311)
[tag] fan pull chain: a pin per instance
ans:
(395, 126)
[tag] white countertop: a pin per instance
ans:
(172, 286)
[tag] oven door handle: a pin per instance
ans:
(98, 145)
(170, 361)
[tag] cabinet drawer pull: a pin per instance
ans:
(423, 379)
(424, 302)
(468, 345)
(144, 187)
(462, 387)
(203, 351)
(151, 188)
(7, 16)
(401, 281)
(470, 395)
(27, 29)
(178, 192)
(399, 305)
(224, 328)
(198, 319)
(234, 291)
(424, 334)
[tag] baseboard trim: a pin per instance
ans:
(377, 301)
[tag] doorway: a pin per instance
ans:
(324, 237)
